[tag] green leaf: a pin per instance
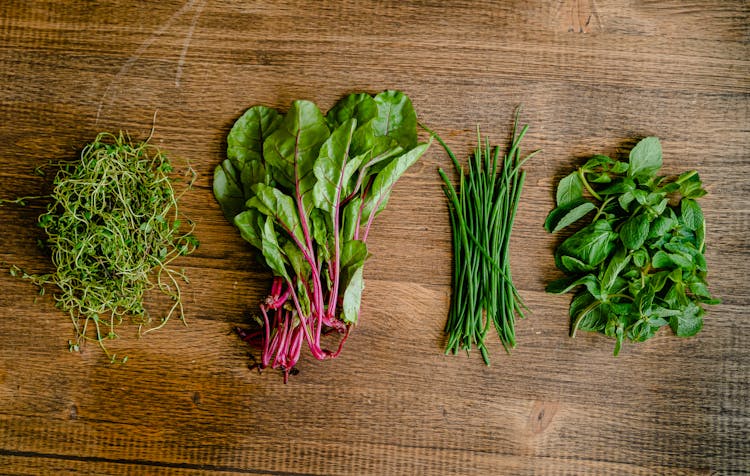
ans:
(353, 296)
(361, 107)
(381, 188)
(274, 203)
(692, 215)
(625, 200)
(293, 147)
(245, 140)
(598, 163)
(321, 233)
(250, 224)
(297, 259)
(661, 260)
(699, 287)
(396, 118)
(640, 257)
(689, 323)
(621, 186)
(244, 167)
(691, 185)
(616, 264)
(569, 190)
(587, 314)
(331, 185)
(574, 265)
(228, 189)
(563, 285)
(591, 245)
(660, 227)
(634, 231)
(353, 255)
(568, 214)
(271, 250)
(645, 158)
(349, 219)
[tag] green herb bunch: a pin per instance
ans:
(304, 188)
(482, 211)
(113, 228)
(638, 264)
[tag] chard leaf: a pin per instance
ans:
(245, 140)
(293, 148)
(645, 158)
(634, 231)
(271, 250)
(330, 187)
(321, 235)
(353, 296)
(349, 219)
(274, 203)
(692, 215)
(250, 224)
(353, 255)
(245, 165)
(396, 118)
(377, 198)
(568, 214)
(361, 107)
(297, 259)
(228, 189)
(569, 190)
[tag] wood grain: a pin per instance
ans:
(593, 76)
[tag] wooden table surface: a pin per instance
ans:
(593, 76)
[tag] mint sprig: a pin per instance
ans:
(638, 263)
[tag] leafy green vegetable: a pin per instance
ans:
(304, 189)
(482, 211)
(113, 229)
(638, 264)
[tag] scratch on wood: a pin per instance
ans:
(139, 51)
(185, 47)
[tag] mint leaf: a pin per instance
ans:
(692, 215)
(634, 231)
(566, 215)
(646, 157)
(569, 190)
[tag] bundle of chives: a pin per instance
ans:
(482, 212)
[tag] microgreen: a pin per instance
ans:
(113, 229)
(638, 264)
(304, 188)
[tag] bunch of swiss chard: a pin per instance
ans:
(304, 189)
(638, 264)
